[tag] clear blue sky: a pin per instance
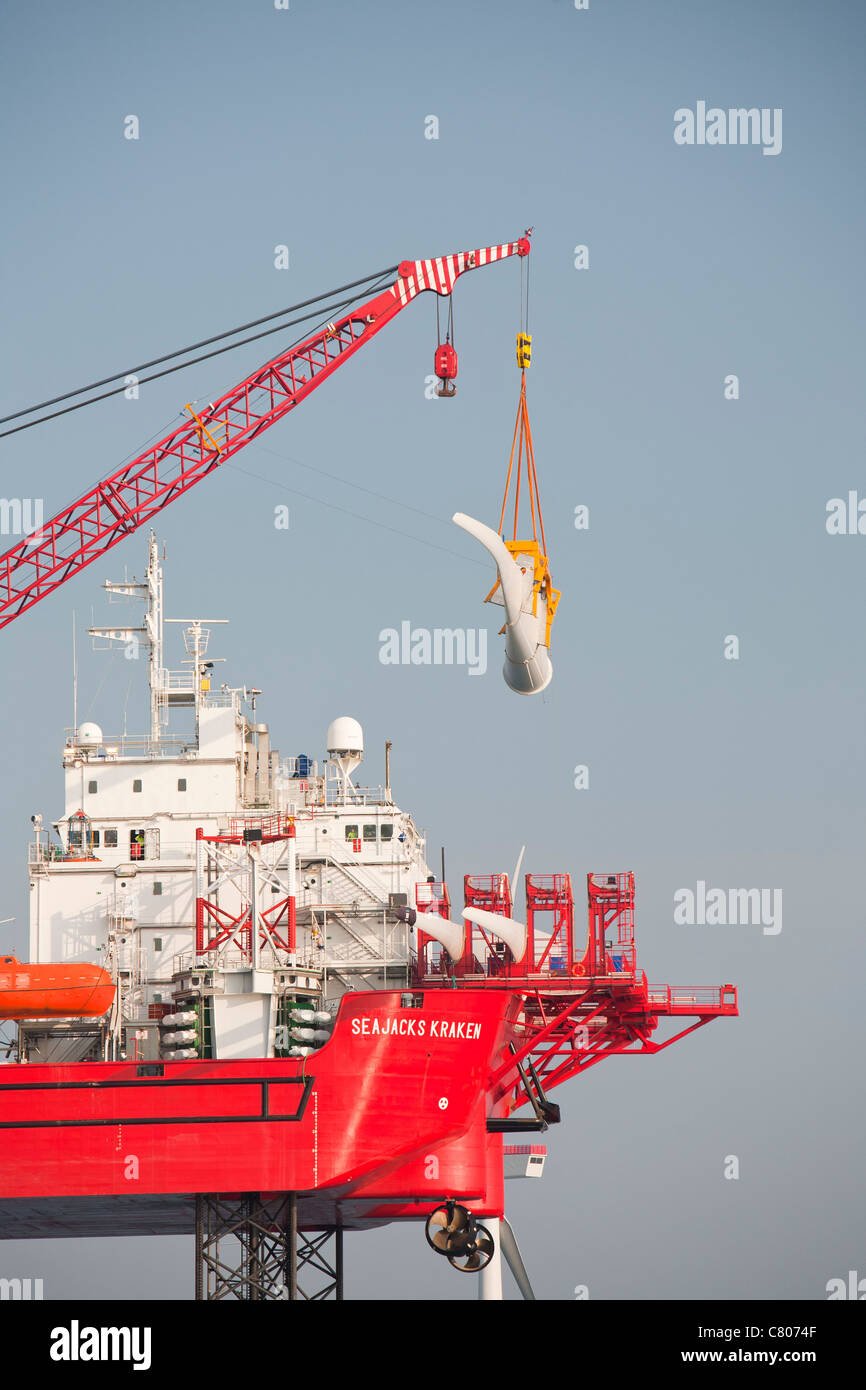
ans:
(306, 128)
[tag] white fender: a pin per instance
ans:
(528, 669)
(188, 1016)
(179, 1038)
(506, 928)
(452, 935)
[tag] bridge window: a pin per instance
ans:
(386, 832)
(110, 840)
(369, 832)
(351, 832)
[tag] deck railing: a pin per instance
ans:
(692, 999)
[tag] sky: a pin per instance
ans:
(736, 764)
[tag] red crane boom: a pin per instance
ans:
(133, 495)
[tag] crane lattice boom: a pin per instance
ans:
(132, 496)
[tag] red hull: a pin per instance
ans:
(389, 1117)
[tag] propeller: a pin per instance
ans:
(479, 1258)
(447, 1227)
(452, 1231)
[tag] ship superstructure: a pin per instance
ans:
(300, 1039)
(248, 1013)
(171, 845)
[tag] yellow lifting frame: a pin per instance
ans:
(541, 581)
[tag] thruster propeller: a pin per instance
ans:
(453, 1231)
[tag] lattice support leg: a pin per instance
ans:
(252, 1251)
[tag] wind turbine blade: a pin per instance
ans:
(451, 935)
(517, 869)
(509, 571)
(509, 1247)
(527, 668)
(512, 932)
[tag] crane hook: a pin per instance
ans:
(445, 358)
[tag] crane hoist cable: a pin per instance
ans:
(522, 442)
(522, 439)
(190, 362)
(523, 454)
(524, 295)
(192, 347)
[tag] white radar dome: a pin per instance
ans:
(345, 735)
(89, 735)
(346, 745)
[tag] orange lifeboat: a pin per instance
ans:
(53, 991)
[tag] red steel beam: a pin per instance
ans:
(132, 496)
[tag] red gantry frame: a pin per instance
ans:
(117, 506)
(227, 861)
(579, 1006)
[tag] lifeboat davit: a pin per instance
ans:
(53, 990)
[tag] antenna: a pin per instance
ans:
(125, 704)
(74, 681)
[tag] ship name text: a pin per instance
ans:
(416, 1027)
